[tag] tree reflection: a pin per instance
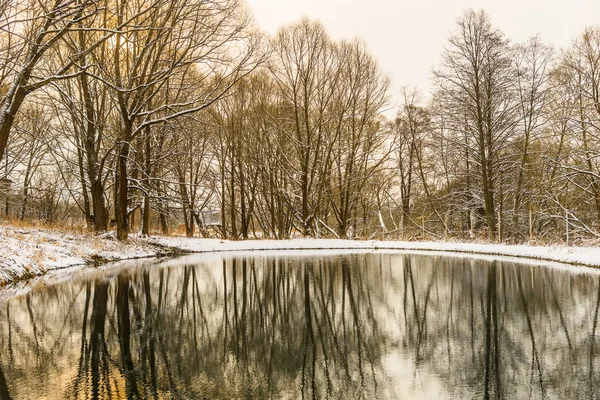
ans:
(309, 327)
(4, 393)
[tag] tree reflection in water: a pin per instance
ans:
(358, 326)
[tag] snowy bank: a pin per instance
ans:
(29, 252)
(586, 256)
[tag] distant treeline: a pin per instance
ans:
(153, 114)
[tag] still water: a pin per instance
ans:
(316, 325)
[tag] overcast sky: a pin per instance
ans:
(408, 36)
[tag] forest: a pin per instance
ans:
(166, 116)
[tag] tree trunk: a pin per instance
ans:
(146, 184)
(489, 205)
(243, 211)
(519, 188)
(223, 208)
(84, 190)
(12, 102)
(488, 194)
(93, 166)
(305, 216)
(98, 205)
(122, 203)
(234, 233)
(164, 226)
(4, 392)
(26, 183)
(190, 227)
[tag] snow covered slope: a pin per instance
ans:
(28, 252)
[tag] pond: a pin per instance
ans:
(306, 325)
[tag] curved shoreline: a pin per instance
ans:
(61, 251)
(577, 256)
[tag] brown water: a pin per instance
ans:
(375, 325)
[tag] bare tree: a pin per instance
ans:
(32, 32)
(360, 148)
(532, 61)
(305, 67)
(200, 47)
(477, 84)
(409, 129)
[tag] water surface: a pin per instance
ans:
(365, 325)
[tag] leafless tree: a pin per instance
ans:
(476, 81)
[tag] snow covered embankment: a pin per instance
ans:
(29, 252)
(589, 256)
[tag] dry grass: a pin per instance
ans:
(38, 257)
(78, 229)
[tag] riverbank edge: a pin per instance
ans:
(575, 256)
(163, 246)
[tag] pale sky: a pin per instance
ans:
(408, 36)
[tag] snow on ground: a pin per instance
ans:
(28, 252)
(589, 256)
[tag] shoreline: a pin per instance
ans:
(576, 256)
(27, 253)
